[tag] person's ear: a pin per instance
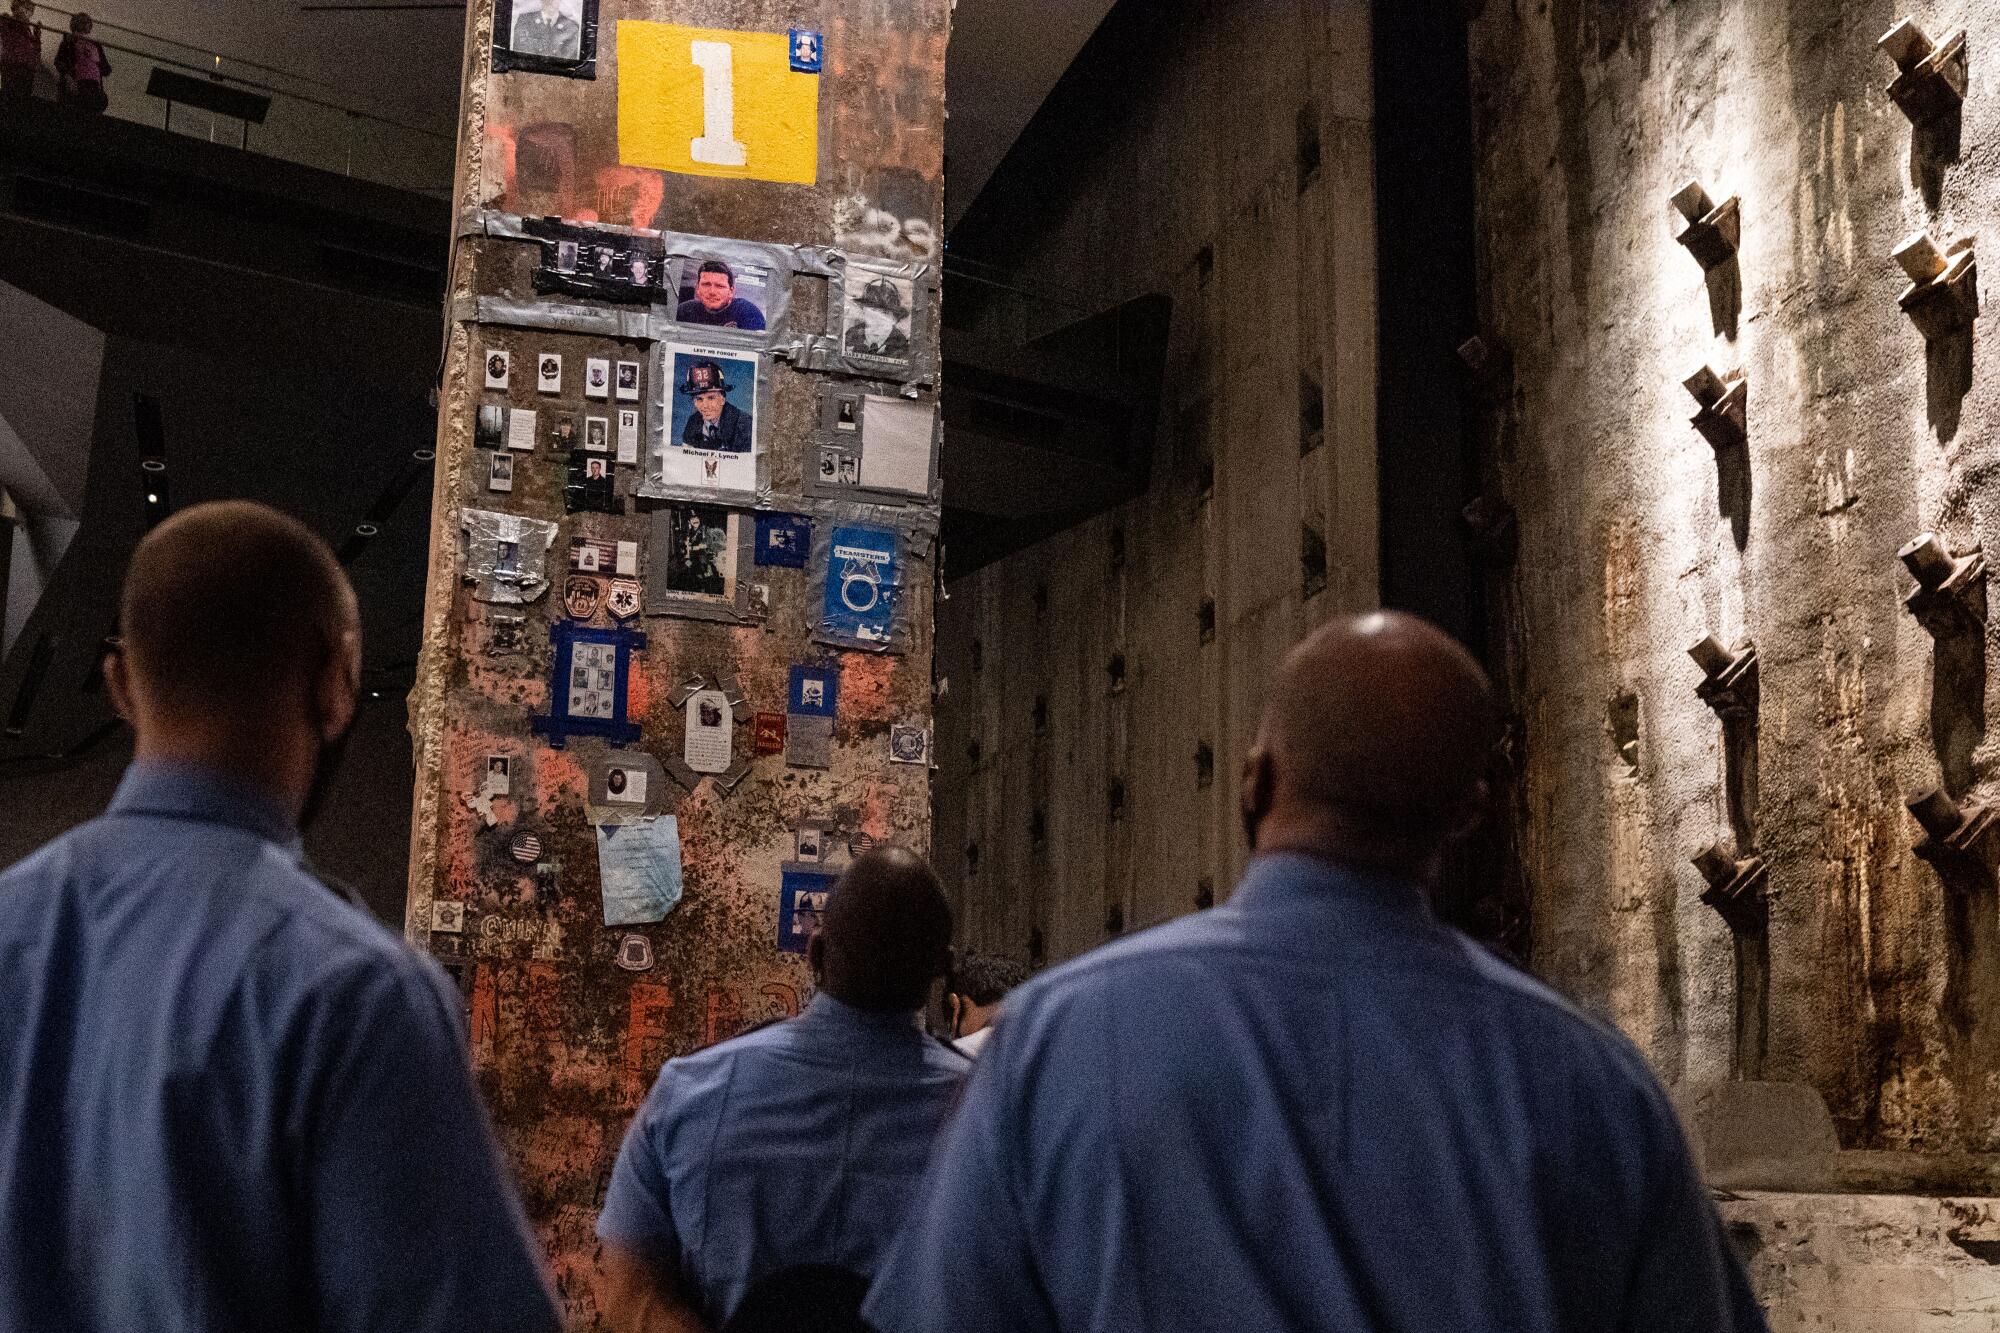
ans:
(1259, 787)
(118, 683)
(338, 689)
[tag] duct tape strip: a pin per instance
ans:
(507, 555)
(780, 264)
(554, 317)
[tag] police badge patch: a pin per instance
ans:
(581, 595)
(623, 599)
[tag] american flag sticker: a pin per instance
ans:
(592, 555)
(526, 848)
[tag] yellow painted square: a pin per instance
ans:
(663, 103)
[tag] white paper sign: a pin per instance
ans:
(711, 728)
(521, 429)
(628, 435)
(896, 445)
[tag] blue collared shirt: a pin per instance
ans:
(1311, 1108)
(800, 1143)
(230, 1100)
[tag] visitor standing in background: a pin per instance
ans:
(20, 51)
(972, 995)
(81, 68)
(780, 1164)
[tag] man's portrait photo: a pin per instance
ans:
(710, 295)
(549, 29)
(807, 51)
(715, 400)
(878, 315)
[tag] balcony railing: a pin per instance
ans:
(305, 122)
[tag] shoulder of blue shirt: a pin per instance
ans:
(337, 938)
(1119, 972)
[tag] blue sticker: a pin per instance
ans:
(815, 690)
(860, 601)
(808, 51)
(784, 540)
(802, 896)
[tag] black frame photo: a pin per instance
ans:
(506, 58)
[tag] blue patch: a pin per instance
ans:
(815, 691)
(859, 605)
(808, 51)
(802, 897)
(784, 540)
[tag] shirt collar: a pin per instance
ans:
(173, 790)
(1284, 880)
(829, 1012)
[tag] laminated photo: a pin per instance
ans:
(720, 295)
(489, 430)
(879, 308)
(711, 437)
(499, 367)
(546, 37)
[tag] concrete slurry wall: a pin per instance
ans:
(1637, 538)
(1071, 801)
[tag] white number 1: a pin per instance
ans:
(718, 145)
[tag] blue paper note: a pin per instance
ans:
(639, 865)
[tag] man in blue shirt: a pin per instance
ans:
(799, 1144)
(1315, 1107)
(229, 1100)
(716, 303)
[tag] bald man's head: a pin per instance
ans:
(1376, 736)
(886, 935)
(232, 610)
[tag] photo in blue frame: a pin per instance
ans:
(784, 540)
(587, 684)
(862, 577)
(808, 51)
(802, 897)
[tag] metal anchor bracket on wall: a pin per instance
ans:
(1490, 362)
(1495, 528)
(1712, 231)
(1943, 296)
(1959, 841)
(1735, 887)
(1930, 79)
(1729, 679)
(1951, 590)
(1724, 416)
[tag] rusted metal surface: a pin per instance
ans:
(565, 1042)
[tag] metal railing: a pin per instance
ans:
(305, 124)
